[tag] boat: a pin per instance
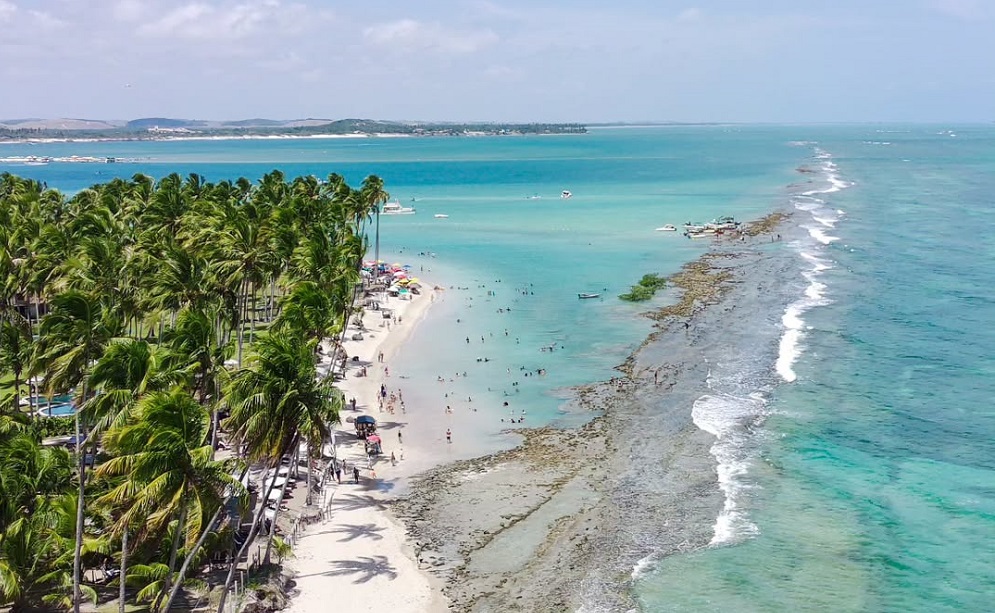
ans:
(667, 228)
(588, 296)
(441, 216)
(395, 208)
(565, 194)
(535, 197)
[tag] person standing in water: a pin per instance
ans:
(449, 435)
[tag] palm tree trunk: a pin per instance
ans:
(252, 313)
(253, 530)
(276, 514)
(17, 390)
(182, 574)
(78, 548)
(240, 308)
(172, 557)
(122, 589)
(308, 499)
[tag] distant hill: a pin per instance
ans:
(252, 123)
(163, 122)
(60, 124)
(166, 127)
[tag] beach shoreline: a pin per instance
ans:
(527, 528)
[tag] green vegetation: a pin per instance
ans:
(645, 289)
(157, 303)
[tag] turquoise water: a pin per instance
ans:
(871, 485)
(867, 485)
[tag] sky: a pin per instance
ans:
(779, 61)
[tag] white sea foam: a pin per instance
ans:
(643, 566)
(728, 418)
(829, 222)
(787, 353)
(821, 236)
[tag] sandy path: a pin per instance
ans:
(358, 559)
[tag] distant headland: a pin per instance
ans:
(163, 128)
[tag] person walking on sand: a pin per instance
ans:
(355, 474)
(393, 459)
(338, 474)
(449, 435)
(398, 437)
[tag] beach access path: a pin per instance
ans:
(358, 558)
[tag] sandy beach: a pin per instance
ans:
(359, 558)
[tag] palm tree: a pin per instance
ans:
(169, 467)
(32, 481)
(275, 404)
(373, 195)
(15, 354)
(127, 370)
(197, 350)
(72, 335)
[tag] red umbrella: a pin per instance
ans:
(373, 439)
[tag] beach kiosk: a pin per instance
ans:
(365, 426)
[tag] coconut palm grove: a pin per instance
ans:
(161, 315)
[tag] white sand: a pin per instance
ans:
(359, 559)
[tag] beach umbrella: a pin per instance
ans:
(373, 439)
(365, 419)
(406, 266)
(277, 482)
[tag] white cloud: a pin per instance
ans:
(962, 9)
(129, 10)
(690, 14)
(409, 35)
(7, 10)
(199, 20)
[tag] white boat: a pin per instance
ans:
(395, 208)
(667, 228)
(587, 296)
(441, 216)
(565, 194)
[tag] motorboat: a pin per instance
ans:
(395, 208)
(565, 194)
(588, 296)
(441, 216)
(667, 228)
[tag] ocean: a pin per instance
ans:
(852, 405)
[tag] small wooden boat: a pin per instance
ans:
(588, 296)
